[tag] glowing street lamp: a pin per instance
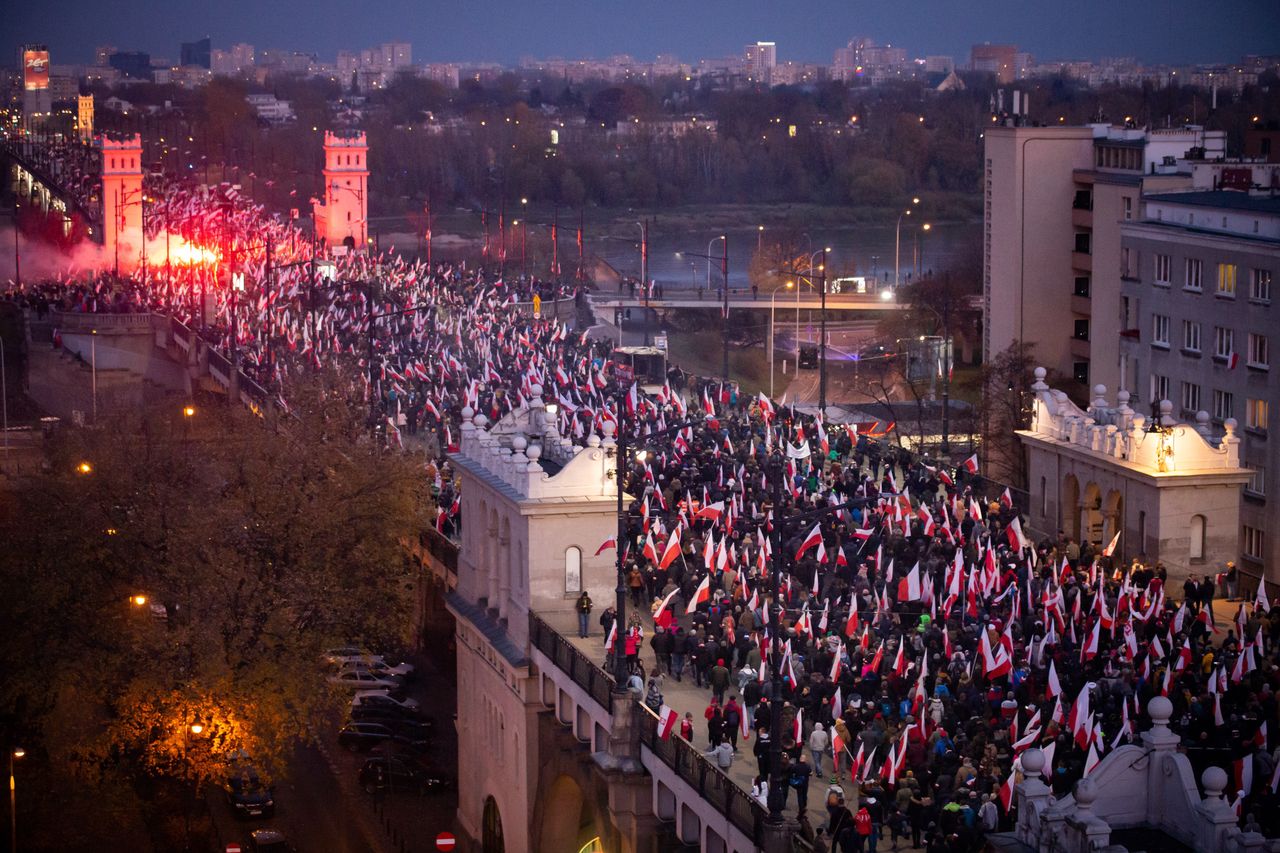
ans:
(139, 600)
(16, 752)
(84, 468)
(188, 411)
(196, 728)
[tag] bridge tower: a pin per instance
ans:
(122, 199)
(84, 117)
(343, 217)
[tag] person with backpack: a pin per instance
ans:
(732, 721)
(862, 826)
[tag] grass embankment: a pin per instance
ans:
(701, 353)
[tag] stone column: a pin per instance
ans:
(1217, 818)
(1163, 745)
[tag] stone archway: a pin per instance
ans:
(1069, 507)
(568, 818)
(1112, 518)
(491, 839)
(1091, 514)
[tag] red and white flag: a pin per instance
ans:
(672, 550)
(662, 608)
(909, 587)
(1006, 792)
(1111, 548)
(701, 594)
(667, 719)
(810, 541)
(970, 464)
(606, 545)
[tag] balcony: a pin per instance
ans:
(1079, 348)
(1082, 261)
(1081, 305)
(1082, 217)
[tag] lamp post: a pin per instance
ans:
(14, 753)
(644, 274)
(773, 329)
(917, 255)
(724, 314)
(897, 242)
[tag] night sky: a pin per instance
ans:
(1173, 31)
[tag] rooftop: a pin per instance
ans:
(1224, 199)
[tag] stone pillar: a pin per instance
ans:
(1095, 833)
(1163, 745)
(1032, 796)
(777, 837)
(1217, 818)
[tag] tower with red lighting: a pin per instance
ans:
(343, 217)
(122, 198)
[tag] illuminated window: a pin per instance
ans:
(1227, 280)
(573, 569)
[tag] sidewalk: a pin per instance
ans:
(684, 696)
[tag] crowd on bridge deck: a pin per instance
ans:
(75, 165)
(926, 634)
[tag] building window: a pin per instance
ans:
(1159, 387)
(1224, 342)
(1223, 405)
(1127, 262)
(1227, 280)
(1257, 413)
(1160, 331)
(1253, 542)
(573, 569)
(1082, 286)
(1259, 355)
(1260, 285)
(1190, 397)
(1081, 330)
(1082, 242)
(1257, 484)
(1161, 275)
(1080, 372)
(1194, 277)
(1191, 336)
(1128, 208)
(1044, 497)
(1197, 537)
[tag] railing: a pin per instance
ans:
(84, 321)
(441, 547)
(711, 783)
(567, 659)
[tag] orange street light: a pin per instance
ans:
(139, 600)
(196, 728)
(84, 468)
(188, 411)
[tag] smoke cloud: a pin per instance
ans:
(42, 261)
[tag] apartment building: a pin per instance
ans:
(1055, 198)
(1199, 327)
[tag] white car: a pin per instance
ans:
(382, 698)
(363, 679)
(343, 655)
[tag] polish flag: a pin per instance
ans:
(900, 661)
(1092, 761)
(909, 587)
(606, 545)
(810, 541)
(1017, 540)
(662, 608)
(667, 719)
(650, 550)
(851, 624)
(701, 594)
(1111, 548)
(711, 511)
(1006, 498)
(1260, 601)
(970, 464)
(613, 632)
(1006, 792)
(1054, 687)
(672, 550)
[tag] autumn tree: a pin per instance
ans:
(175, 578)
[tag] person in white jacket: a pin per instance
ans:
(819, 740)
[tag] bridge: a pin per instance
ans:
(60, 179)
(741, 299)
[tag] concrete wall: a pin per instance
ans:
(1028, 278)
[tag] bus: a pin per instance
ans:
(646, 366)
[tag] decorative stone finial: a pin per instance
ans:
(1231, 425)
(1032, 762)
(468, 413)
(608, 428)
(1099, 396)
(535, 390)
(1086, 792)
(1214, 780)
(1039, 385)
(480, 421)
(1160, 709)
(533, 452)
(593, 440)
(519, 443)
(1122, 400)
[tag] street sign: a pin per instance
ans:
(445, 841)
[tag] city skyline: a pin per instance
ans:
(717, 28)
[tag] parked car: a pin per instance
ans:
(397, 721)
(248, 795)
(269, 841)
(363, 679)
(378, 665)
(383, 698)
(361, 736)
(346, 654)
(381, 773)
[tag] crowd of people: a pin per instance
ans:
(928, 639)
(75, 165)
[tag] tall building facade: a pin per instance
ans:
(998, 59)
(342, 219)
(759, 59)
(1199, 330)
(1054, 199)
(198, 53)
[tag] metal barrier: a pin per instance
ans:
(82, 322)
(567, 658)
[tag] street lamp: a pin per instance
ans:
(188, 411)
(84, 468)
(897, 241)
(14, 753)
(917, 256)
(196, 728)
(138, 600)
(773, 329)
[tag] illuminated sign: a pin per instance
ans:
(35, 69)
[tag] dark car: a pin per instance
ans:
(400, 722)
(395, 774)
(248, 796)
(360, 736)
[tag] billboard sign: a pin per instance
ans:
(35, 68)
